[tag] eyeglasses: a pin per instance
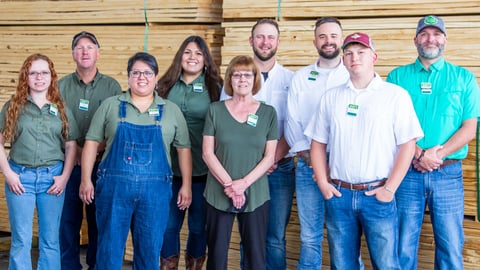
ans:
(238, 75)
(136, 74)
(35, 74)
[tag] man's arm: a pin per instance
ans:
(318, 152)
(399, 170)
(433, 157)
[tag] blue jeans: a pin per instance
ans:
(36, 182)
(442, 191)
(134, 201)
(350, 215)
(71, 224)
(311, 212)
(197, 238)
(282, 186)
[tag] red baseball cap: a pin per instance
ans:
(360, 38)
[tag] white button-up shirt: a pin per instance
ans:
(308, 85)
(363, 142)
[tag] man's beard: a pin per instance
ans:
(329, 55)
(265, 57)
(430, 53)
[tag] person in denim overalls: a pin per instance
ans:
(133, 189)
(42, 133)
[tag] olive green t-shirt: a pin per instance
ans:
(38, 140)
(239, 147)
(84, 99)
(105, 121)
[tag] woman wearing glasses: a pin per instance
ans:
(134, 179)
(42, 134)
(192, 82)
(239, 141)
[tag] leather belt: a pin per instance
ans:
(362, 186)
(447, 162)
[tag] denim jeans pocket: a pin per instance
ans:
(452, 171)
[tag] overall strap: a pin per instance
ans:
(123, 111)
(158, 118)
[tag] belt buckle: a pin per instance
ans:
(351, 186)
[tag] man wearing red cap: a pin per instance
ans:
(370, 128)
(446, 100)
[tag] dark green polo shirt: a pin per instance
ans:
(84, 99)
(193, 100)
(38, 140)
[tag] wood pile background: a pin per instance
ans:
(27, 27)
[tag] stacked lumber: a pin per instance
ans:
(43, 26)
(393, 39)
(298, 9)
(97, 12)
(117, 44)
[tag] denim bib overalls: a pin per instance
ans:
(133, 192)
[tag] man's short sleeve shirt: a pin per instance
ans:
(443, 97)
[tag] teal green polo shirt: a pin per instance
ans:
(38, 140)
(84, 99)
(443, 97)
(105, 121)
(193, 100)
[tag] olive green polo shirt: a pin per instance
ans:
(193, 100)
(84, 99)
(105, 121)
(38, 140)
(443, 97)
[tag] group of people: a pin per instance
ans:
(371, 155)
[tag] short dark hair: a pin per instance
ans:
(145, 58)
(266, 21)
(323, 20)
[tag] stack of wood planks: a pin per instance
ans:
(48, 27)
(44, 26)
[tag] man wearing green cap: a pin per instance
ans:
(446, 98)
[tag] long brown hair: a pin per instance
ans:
(213, 80)
(19, 99)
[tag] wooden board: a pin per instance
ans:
(301, 9)
(95, 12)
(393, 39)
(117, 44)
